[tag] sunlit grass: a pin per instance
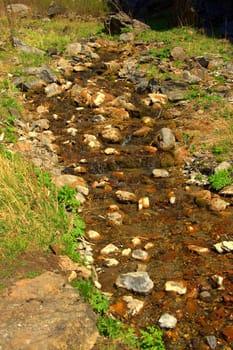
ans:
(30, 218)
(191, 40)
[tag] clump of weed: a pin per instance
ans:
(93, 296)
(151, 338)
(221, 179)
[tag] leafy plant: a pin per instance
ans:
(151, 339)
(221, 179)
(110, 327)
(217, 149)
(66, 197)
(93, 296)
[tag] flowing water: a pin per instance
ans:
(170, 227)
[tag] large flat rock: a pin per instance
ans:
(45, 313)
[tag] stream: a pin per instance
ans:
(169, 225)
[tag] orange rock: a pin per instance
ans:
(120, 308)
(192, 306)
(228, 333)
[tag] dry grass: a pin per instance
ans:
(80, 7)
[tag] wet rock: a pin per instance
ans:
(165, 139)
(218, 204)
(126, 197)
(111, 262)
(53, 90)
(205, 295)
(115, 218)
(224, 247)
(203, 198)
(178, 53)
(167, 321)
(111, 134)
(109, 249)
(138, 282)
(174, 286)
(110, 151)
(91, 141)
(140, 254)
(37, 315)
(197, 249)
(42, 124)
(228, 333)
(136, 241)
(143, 203)
(211, 341)
(72, 131)
(93, 234)
(126, 252)
(218, 281)
(160, 173)
(134, 305)
(228, 190)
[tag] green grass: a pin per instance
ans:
(190, 40)
(31, 216)
(9, 105)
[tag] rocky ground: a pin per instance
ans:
(138, 149)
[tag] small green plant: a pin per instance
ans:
(163, 53)
(192, 148)
(110, 327)
(66, 197)
(151, 339)
(221, 179)
(217, 149)
(220, 79)
(33, 274)
(93, 296)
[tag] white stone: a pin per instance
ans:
(173, 286)
(93, 234)
(134, 305)
(140, 254)
(136, 241)
(72, 131)
(125, 196)
(109, 249)
(126, 252)
(160, 173)
(143, 203)
(111, 262)
(225, 246)
(167, 321)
